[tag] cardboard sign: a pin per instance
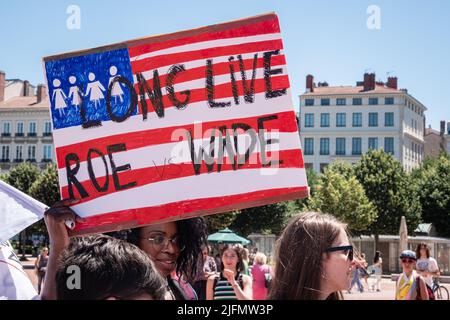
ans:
(175, 126)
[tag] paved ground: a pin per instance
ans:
(387, 292)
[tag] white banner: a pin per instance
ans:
(17, 211)
(14, 282)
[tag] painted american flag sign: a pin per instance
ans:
(175, 126)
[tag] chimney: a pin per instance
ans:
(26, 88)
(41, 92)
(2, 86)
(309, 83)
(442, 128)
(369, 81)
(448, 128)
(392, 83)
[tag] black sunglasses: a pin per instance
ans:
(348, 249)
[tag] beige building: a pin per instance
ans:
(25, 126)
(344, 122)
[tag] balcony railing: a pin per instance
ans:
(46, 160)
(19, 134)
(6, 134)
(32, 134)
(4, 160)
(18, 160)
(31, 160)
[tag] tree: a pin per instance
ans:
(220, 221)
(344, 197)
(264, 219)
(22, 177)
(391, 190)
(4, 176)
(46, 187)
(432, 181)
(313, 183)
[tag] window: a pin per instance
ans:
(48, 129)
(325, 102)
(19, 132)
(357, 101)
(357, 119)
(373, 119)
(356, 146)
(324, 146)
(389, 145)
(323, 166)
(309, 120)
(32, 129)
(373, 101)
(309, 165)
(324, 119)
(340, 146)
(47, 152)
(309, 102)
(389, 119)
(6, 129)
(32, 153)
(389, 100)
(309, 146)
(373, 143)
(340, 119)
(19, 154)
(5, 153)
(341, 102)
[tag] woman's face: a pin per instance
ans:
(408, 264)
(337, 267)
(230, 259)
(423, 252)
(45, 251)
(155, 241)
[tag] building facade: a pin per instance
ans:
(25, 126)
(342, 123)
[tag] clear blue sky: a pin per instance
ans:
(329, 39)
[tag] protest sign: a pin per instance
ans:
(175, 126)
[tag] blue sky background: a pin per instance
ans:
(329, 39)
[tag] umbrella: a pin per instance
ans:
(227, 236)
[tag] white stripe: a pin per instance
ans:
(218, 80)
(191, 64)
(209, 44)
(210, 185)
(195, 112)
(177, 153)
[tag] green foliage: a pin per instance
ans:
(432, 181)
(4, 176)
(22, 176)
(341, 195)
(313, 183)
(46, 187)
(220, 221)
(390, 189)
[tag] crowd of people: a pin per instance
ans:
(314, 260)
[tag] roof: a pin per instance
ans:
(379, 89)
(424, 228)
(24, 102)
(429, 131)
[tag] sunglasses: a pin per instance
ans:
(347, 249)
(408, 260)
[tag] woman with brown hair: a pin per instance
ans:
(313, 259)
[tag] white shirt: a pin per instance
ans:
(429, 265)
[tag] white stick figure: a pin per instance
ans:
(116, 90)
(95, 90)
(74, 92)
(59, 97)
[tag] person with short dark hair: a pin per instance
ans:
(109, 269)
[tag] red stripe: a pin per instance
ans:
(173, 58)
(290, 159)
(284, 123)
(263, 27)
(222, 91)
(219, 69)
(185, 209)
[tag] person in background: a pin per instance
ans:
(313, 259)
(206, 267)
(109, 269)
(261, 274)
(410, 285)
(363, 270)
(245, 260)
(230, 284)
(218, 262)
(426, 265)
(378, 270)
(41, 267)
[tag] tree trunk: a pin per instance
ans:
(377, 241)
